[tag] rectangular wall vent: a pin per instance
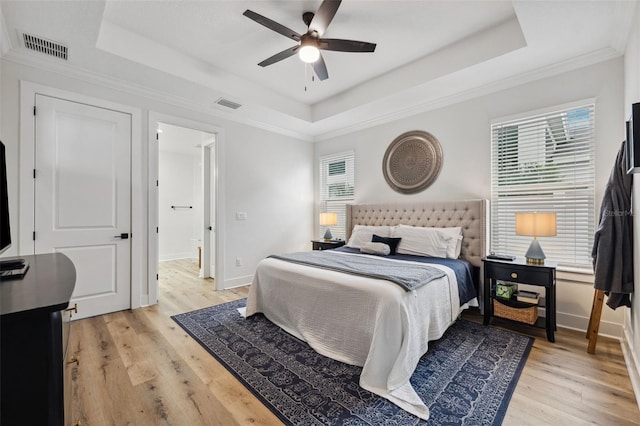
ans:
(227, 103)
(45, 46)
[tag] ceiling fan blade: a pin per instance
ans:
(324, 16)
(272, 25)
(279, 56)
(320, 69)
(339, 45)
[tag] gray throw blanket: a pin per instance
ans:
(613, 243)
(407, 276)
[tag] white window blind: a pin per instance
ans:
(337, 188)
(546, 163)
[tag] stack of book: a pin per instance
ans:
(527, 296)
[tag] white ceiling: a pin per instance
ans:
(427, 52)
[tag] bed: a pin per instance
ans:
(369, 322)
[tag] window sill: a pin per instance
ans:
(574, 275)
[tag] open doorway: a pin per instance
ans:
(183, 160)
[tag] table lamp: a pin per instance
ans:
(328, 219)
(535, 224)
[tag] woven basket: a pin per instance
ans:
(528, 315)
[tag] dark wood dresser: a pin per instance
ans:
(34, 335)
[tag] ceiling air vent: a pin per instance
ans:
(227, 103)
(45, 46)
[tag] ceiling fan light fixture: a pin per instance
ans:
(310, 43)
(309, 54)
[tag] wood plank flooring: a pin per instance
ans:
(140, 368)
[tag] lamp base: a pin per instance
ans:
(327, 235)
(534, 254)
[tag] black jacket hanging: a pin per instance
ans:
(613, 242)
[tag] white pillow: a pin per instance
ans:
(375, 248)
(455, 245)
(458, 249)
(422, 241)
(362, 234)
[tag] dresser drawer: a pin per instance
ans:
(516, 274)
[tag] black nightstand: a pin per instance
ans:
(521, 272)
(326, 245)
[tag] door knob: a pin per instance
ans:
(123, 236)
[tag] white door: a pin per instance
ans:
(83, 198)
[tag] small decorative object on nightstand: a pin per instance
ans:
(328, 219)
(520, 271)
(326, 245)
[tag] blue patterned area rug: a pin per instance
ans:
(466, 378)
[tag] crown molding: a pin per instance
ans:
(89, 76)
(109, 82)
(621, 36)
(578, 62)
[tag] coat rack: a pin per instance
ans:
(614, 232)
(594, 320)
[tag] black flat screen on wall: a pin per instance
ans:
(5, 231)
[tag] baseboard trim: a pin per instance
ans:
(237, 282)
(177, 256)
(609, 329)
(633, 363)
(580, 323)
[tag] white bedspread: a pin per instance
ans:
(366, 322)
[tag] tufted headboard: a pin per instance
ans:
(471, 215)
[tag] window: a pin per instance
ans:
(546, 162)
(337, 188)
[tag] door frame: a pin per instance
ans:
(208, 173)
(26, 212)
(153, 259)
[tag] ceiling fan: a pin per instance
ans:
(310, 43)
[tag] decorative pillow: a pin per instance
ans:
(362, 234)
(455, 245)
(422, 241)
(391, 242)
(381, 249)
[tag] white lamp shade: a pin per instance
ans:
(309, 54)
(536, 224)
(328, 219)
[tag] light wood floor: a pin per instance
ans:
(140, 368)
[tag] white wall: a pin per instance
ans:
(463, 130)
(181, 177)
(271, 179)
(268, 175)
(631, 342)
